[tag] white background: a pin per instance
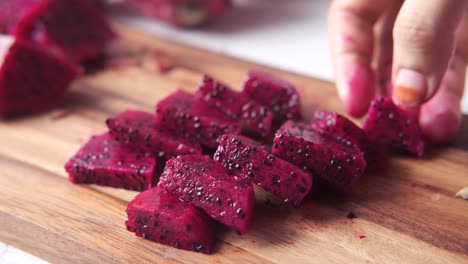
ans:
(288, 34)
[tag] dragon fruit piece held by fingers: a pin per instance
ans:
(346, 132)
(388, 124)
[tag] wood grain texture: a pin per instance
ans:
(406, 214)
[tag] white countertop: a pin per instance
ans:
(11, 255)
(285, 34)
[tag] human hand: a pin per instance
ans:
(414, 50)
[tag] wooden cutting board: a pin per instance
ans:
(406, 214)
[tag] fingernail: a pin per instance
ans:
(410, 88)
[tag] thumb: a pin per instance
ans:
(424, 40)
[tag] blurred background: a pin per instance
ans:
(287, 34)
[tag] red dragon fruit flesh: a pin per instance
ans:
(278, 95)
(255, 118)
(323, 156)
(346, 132)
(206, 184)
(392, 126)
(185, 115)
(252, 161)
(160, 216)
(73, 28)
(139, 129)
(106, 162)
(31, 80)
(11, 11)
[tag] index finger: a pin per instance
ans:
(352, 39)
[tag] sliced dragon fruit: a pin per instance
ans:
(187, 116)
(252, 161)
(73, 29)
(11, 11)
(139, 129)
(31, 80)
(323, 156)
(206, 184)
(346, 132)
(106, 162)
(160, 216)
(278, 95)
(388, 124)
(255, 118)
